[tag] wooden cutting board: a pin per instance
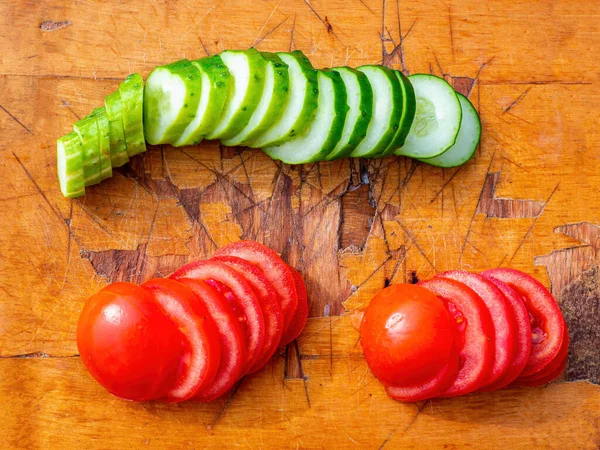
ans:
(528, 200)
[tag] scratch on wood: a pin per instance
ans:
(513, 104)
(451, 31)
(446, 184)
(16, 120)
(292, 32)
(266, 22)
(52, 25)
(325, 22)
(268, 33)
(504, 208)
(225, 406)
(410, 424)
(367, 6)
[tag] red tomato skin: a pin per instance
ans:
(200, 362)
(128, 344)
(541, 304)
(300, 315)
(503, 319)
(477, 338)
(274, 268)
(547, 378)
(406, 335)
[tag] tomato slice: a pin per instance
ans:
(301, 314)
(242, 296)
(552, 365)
(547, 323)
(200, 363)
(475, 333)
(231, 339)
(522, 333)
(128, 344)
(502, 318)
(407, 335)
(548, 378)
(269, 304)
(275, 270)
(433, 387)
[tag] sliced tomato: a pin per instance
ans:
(272, 314)
(433, 387)
(522, 333)
(548, 378)
(200, 363)
(552, 365)
(231, 339)
(502, 316)
(547, 324)
(475, 333)
(407, 336)
(128, 344)
(239, 292)
(276, 271)
(300, 315)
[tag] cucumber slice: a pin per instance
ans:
(69, 165)
(360, 103)
(326, 129)
(103, 142)
(215, 87)
(387, 111)
(409, 106)
(274, 98)
(437, 118)
(466, 142)
(114, 112)
(87, 130)
(301, 106)
(247, 68)
(132, 102)
(171, 98)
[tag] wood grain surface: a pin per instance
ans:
(528, 200)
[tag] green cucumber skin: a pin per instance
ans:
(379, 149)
(408, 113)
(219, 77)
(104, 142)
(118, 149)
(132, 102)
(192, 79)
(366, 107)
(75, 187)
(252, 97)
(280, 97)
(87, 130)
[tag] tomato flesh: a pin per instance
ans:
(201, 362)
(274, 269)
(522, 335)
(475, 332)
(547, 324)
(242, 291)
(301, 314)
(231, 339)
(407, 335)
(269, 304)
(502, 317)
(128, 344)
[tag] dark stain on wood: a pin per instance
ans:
(357, 214)
(52, 25)
(504, 208)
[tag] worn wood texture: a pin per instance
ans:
(528, 200)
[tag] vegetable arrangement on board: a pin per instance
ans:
(275, 101)
(197, 332)
(461, 332)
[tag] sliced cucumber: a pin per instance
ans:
(87, 130)
(437, 118)
(360, 103)
(171, 98)
(69, 165)
(270, 107)
(326, 129)
(114, 112)
(409, 106)
(247, 68)
(103, 142)
(387, 111)
(466, 142)
(132, 102)
(215, 87)
(301, 105)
